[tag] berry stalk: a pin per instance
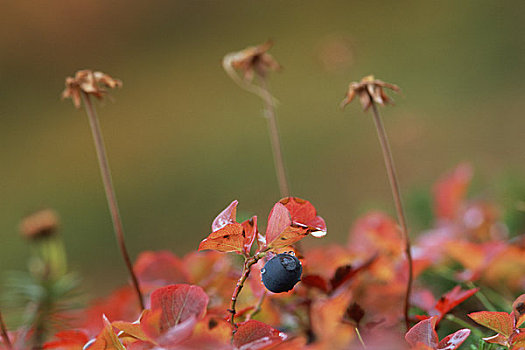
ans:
(248, 263)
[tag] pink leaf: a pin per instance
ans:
(253, 335)
(278, 220)
(178, 303)
(454, 340)
(303, 212)
(450, 191)
(227, 216)
(423, 333)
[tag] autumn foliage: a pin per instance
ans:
(345, 289)
(459, 277)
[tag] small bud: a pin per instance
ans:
(41, 224)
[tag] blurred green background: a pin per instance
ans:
(184, 140)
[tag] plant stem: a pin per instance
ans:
(258, 307)
(110, 191)
(360, 338)
(392, 176)
(482, 298)
(465, 324)
(5, 336)
(240, 284)
(273, 130)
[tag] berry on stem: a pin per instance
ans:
(281, 273)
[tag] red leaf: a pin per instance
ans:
(177, 303)
(375, 231)
(449, 191)
(500, 322)
(347, 272)
(227, 216)
(326, 314)
(253, 335)
(250, 232)
(454, 340)
(518, 340)
(227, 239)
(423, 333)
(315, 281)
(497, 339)
(119, 305)
(161, 267)
(68, 340)
(303, 212)
(518, 310)
(278, 221)
(450, 300)
(282, 231)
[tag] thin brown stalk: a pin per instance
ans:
(110, 191)
(248, 263)
(5, 335)
(392, 176)
(273, 130)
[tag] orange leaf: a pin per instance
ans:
(500, 322)
(255, 335)
(107, 339)
(327, 313)
(131, 329)
(227, 239)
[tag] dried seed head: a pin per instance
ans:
(88, 82)
(369, 90)
(41, 224)
(253, 60)
(244, 65)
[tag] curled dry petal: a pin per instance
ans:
(244, 65)
(253, 60)
(369, 90)
(88, 82)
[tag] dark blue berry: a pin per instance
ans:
(281, 273)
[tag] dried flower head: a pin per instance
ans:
(243, 66)
(88, 82)
(43, 223)
(369, 90)
(253, 60)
